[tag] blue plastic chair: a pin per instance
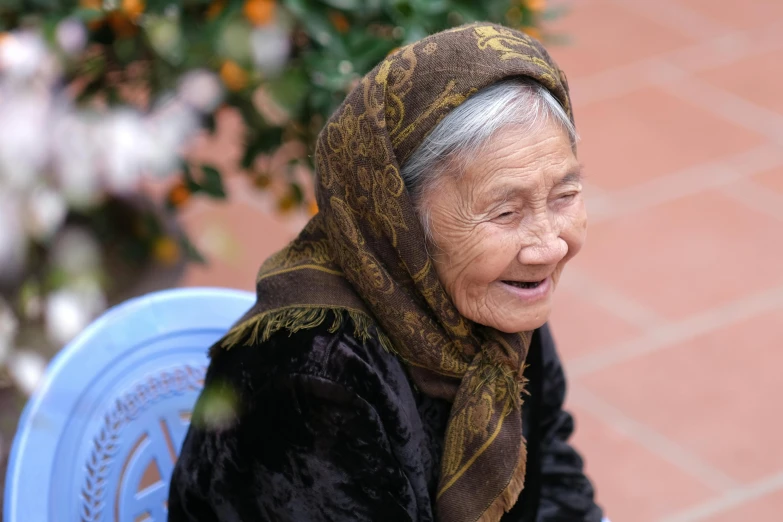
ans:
(99, 439)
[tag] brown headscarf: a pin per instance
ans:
(363, 256)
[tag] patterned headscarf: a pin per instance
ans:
(363, 258)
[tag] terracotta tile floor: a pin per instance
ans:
(670, 320)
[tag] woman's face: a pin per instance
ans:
(505, 229)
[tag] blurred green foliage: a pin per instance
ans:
(305, 55)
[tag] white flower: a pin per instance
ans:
(8, 328)
(24, 127)
(27, 368)
(270, 46)
(13, 243)
(170, 125)
(76, 252)
(201, 89)
(124, 145)
(71, 36)
(70, 310)
(73, 155)
(22, 54)
(46, 210)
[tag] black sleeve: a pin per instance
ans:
(566, 493)
(302, 449)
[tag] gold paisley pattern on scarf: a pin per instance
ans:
(478, 419)
(397, 80)
(512, 46)
(447, 100)
(364, 256)
(341, 143)
(387, 189)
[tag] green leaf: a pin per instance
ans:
(86, 14)
(263, 140)
(345, 5)
(191, 252)
(10, 5)
(299, 8)
(209, 122)
(297, 194)
(429, 7)
(213, 182)
(164, 35)
(367, 52)
(56, 278)
(414, 32)
(289, 89)
(321, 30)
(190, 182)
(152, 225)
(125, 49)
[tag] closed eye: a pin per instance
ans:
(504, 218)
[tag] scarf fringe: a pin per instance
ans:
(261, 327)
(508, 498)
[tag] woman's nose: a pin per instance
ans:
(542, 245)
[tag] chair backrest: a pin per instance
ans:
(98, 440)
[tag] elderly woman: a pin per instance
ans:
(397, 364)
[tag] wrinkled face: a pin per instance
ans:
(504, 230)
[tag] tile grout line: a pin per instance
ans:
(624, 79)
(724, 105)
(734, 45)
(730, 500)
(756, 197)
(721, 103)
(611, 300)
(686, 20)
(674, 16)
(667, 335)
(670, 451)
(706, 176)
(727, 48)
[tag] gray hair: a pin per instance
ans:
(465, 130)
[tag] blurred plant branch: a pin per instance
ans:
(97, 94)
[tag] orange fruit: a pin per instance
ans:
(178, 195)
(262, 181)
(535, 5)
(166, 250)
(122, 25)
(534, 32)
(233, 76)
(286, 204)
(132, 8)
(96, 5)
(339, 21)
(215, 8)
(259, 12)
(312, 208)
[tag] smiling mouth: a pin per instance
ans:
(524, 284)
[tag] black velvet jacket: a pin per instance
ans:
(329, 428)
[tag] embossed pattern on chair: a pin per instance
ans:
(99, 439)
